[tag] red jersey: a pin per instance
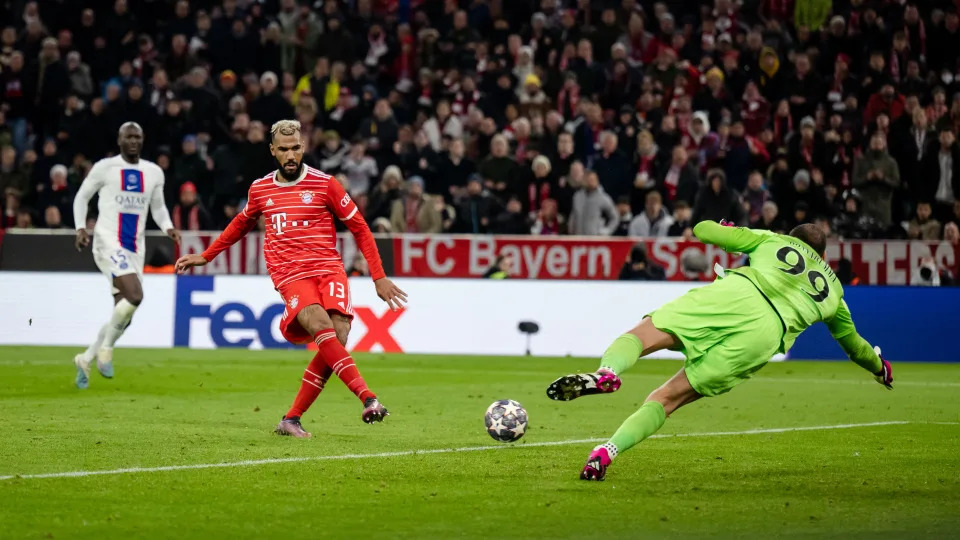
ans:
(300, 240)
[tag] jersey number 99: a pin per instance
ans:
(786, 254)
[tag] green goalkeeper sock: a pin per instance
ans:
(622, 354)
(641, 424)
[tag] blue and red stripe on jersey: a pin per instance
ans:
(131, 180)
(127, 231)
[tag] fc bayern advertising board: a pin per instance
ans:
(577, 258)
(444, 316)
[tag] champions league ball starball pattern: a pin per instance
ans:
(506, 420)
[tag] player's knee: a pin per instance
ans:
(314, 319)
(343, 331)
(134, 297)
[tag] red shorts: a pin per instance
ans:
(332, 292)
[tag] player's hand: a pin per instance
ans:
(390, 293)
(82, 240)
(726, 223)
(189, 261)
(885, 375)
(174, 235)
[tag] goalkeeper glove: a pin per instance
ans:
(885, 375)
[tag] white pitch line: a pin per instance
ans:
(852, 381)
(271, 461)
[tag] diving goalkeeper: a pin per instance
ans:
(726, 330)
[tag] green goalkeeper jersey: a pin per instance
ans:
(796, 281)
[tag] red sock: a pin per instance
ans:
(339, 360)
(314, 378)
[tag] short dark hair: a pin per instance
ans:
(811, 235)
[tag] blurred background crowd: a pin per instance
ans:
(536, 117)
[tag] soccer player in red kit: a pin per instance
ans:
(298, 203)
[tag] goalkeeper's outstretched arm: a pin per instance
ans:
(856, 348)
(731, 239)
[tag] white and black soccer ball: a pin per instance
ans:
(506, 420)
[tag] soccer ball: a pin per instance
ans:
(506, 420)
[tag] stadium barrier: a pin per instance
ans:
(458, 256)
(445, 316)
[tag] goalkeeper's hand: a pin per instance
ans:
(885, 375)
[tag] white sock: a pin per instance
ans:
(95, 346)
(122, 313)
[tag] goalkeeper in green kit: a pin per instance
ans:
(726, 330)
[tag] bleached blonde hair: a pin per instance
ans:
(285, 127)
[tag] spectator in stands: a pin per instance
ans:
(923, 226)
(754, 197)
(625, 217)
(58, 193)
(654, 220)
(682, 221)
(940, 179)
(11, 175)
(476, 209)
(52, 219)
(359, 168)
(593, 213)
(512, 219)
(499, 170)
(876, 176)
(678, 181)
(886, 101)
(331, 155)
(951, 233)
(190, 214)
(639, 268)
(415, 212)
(808, 191)
(383, 196)
(454, 170)
(716, 201)
(549, 220)
(443, 123)
(770, 218)
(852, 224)
(24, 219)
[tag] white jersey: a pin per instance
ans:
(127, 191)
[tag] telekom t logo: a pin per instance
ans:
(279, 222)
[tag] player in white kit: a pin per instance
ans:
(127, 186)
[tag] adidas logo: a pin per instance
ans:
(269, 202)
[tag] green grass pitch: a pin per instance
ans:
(184, 407)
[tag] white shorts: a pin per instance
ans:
(116, 261)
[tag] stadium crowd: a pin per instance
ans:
(502, 116)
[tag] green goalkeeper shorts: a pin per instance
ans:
(727, 329)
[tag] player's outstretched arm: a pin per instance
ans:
(731, 239)
(346, 210)
(858, 349)
(241, 224)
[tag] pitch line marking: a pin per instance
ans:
(401, 453)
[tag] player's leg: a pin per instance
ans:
(621, 355)
(648, 419)
(317, 374)
(122, 269)
(127, 300)
(315, 320)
